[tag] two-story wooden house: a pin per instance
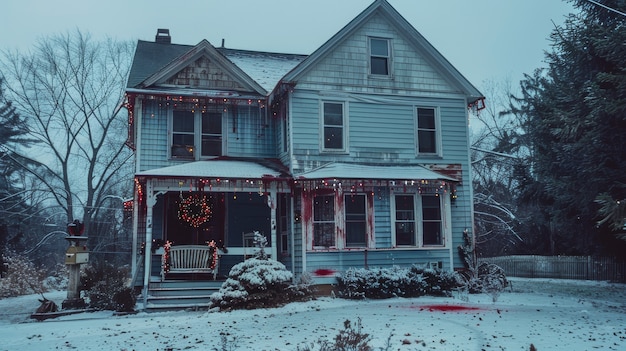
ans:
(356, 155)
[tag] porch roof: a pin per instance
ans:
(236, 169)
(339, 170)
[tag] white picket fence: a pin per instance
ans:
(563, 267)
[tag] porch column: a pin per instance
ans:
(271, 202)
(150, 202)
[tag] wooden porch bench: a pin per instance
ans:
(191, 259)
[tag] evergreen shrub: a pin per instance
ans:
(381, 283)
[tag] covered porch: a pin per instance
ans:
(218, 201)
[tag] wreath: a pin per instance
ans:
(194, 210)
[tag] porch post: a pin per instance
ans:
(271, 202)
(150, 202)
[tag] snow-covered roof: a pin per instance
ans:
(267, 69)
(360, 171)
(214, 169)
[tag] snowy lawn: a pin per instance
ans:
(550, 314)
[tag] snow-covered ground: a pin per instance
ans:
(550, 314)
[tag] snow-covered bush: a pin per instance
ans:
(105, 287)
(380, 283)
(258, 282)
(438, 282)
(21, 277)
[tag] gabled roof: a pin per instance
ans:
(263, 68)
(383, 8)
(204, 48)
(339, 170)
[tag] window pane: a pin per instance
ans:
(405, 233)
(183, 121)
(432, 233)
(379, 47)
(324, 208)
(182, 145)
(426, 140)
(211, 145)
(379, 65)
(426, 118)
(333, 114)
(324, 234)
(211, 123)
(333, 138)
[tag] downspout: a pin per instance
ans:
(471, 185)
(150, 202)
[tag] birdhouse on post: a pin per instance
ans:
(75, 255)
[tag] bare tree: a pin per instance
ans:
(494, 158)
(68, 89)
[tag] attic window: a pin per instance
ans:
(380, 56)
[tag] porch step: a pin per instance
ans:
(180, 294)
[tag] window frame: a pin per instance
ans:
(344, 127)
(436, 131)
(197, 134)
(418, 220)
(372, 56)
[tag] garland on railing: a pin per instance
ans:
(194, 210)
(212, 254)
(166, 256)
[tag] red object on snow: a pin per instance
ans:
(323, 272)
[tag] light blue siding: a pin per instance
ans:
(248, 131)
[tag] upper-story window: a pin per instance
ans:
(380, 56)
(196, 134)
(428, 134)
(333, 126)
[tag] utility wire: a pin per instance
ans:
(606, 7)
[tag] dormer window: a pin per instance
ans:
(380, 56)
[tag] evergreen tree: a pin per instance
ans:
(11, 132)
(576, 123)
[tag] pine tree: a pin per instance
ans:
(576, 113)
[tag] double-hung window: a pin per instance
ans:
(196, 134)
(380, 56)
(418, 220)
(340, 221)
(324, 221)
(333, 126)
(427, 131)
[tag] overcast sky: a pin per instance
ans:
(484, 39)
